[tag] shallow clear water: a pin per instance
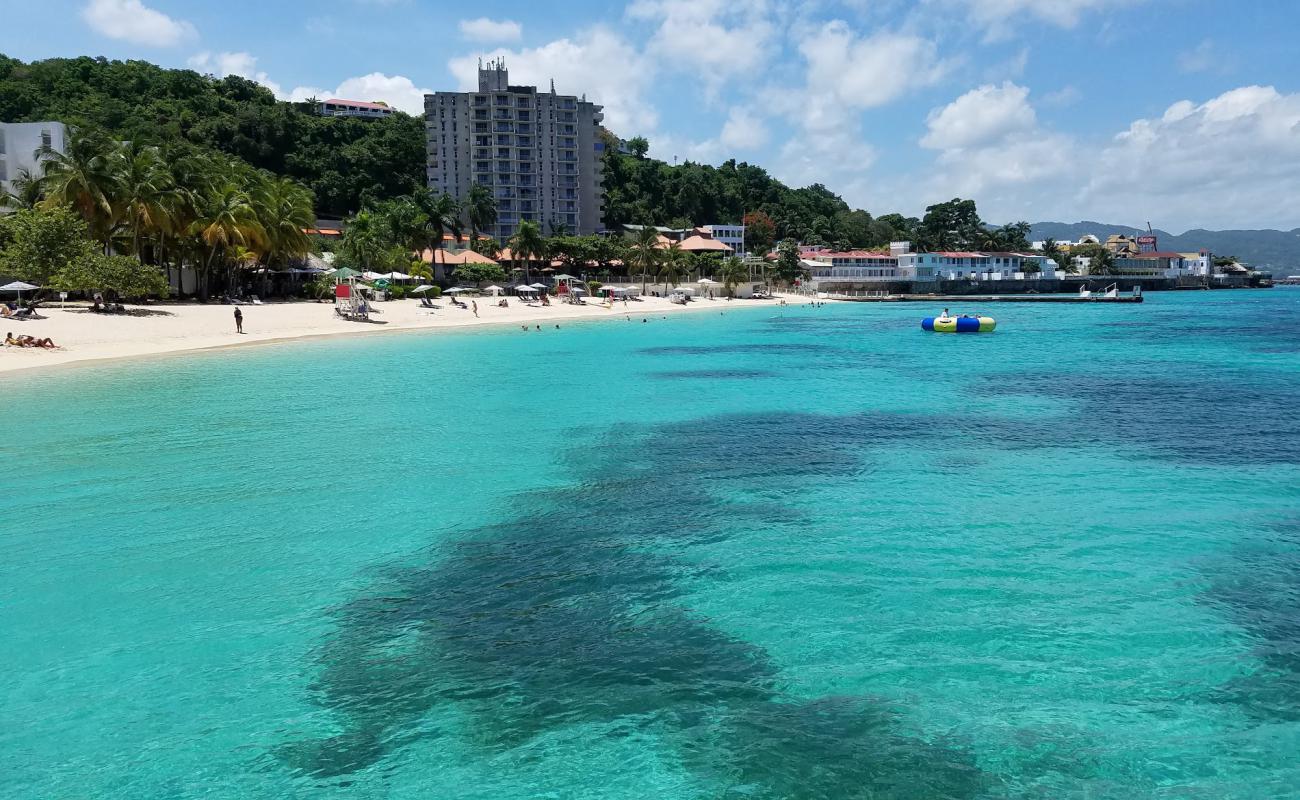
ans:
(785, 553)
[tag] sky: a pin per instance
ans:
(1181, 113)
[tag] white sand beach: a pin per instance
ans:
(84, 337)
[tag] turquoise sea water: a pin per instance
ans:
(785, 553)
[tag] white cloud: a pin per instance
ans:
(491, 31)
(1205, 57)
(133, 21)
(242, 64)
(597, 61)
(1232, 160)
(865, 72)
(980, 117)
(743, 130)
(845, 74)
(999, 17)
(711, 39)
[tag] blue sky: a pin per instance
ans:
(1182, 112)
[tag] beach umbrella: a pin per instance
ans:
(19, 287)
(494, 289)
(421, 289)
(707, 282)
(539, 286)
(343, 272)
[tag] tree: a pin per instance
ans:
(481, 209)
(672, 264)
(144, 187)
(638, 146)
(123, 276)
(366, 236)
(284, 211)
(1100, 260)
(760, 232)
(86, 176)
(576, 252)
(1052, 252)
(734, 272)
(954, 225)
(480, 273)
(27, 191)
(789, 266)
(227, 219)
(41, 243)
(644, 255)
(527, 244)
(442, 216)
(487, 246)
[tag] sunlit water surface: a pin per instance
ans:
(781, 553)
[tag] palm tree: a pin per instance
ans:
(527, 244)
(1052, 252)
(145, 187)
(481, 208)
(87, 177)
(673, 264)
(442, 217)
(644, 254)
(227, 219)
(733, 272)
(26, 193)
(284, 211)
(1102, 263)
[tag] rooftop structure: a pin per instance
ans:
(353, 108)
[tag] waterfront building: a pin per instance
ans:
(20, 143)
(732, 236)
(539, 152)
(353, 108)
(851, 266)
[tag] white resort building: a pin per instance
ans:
(828, 269)
(19, 144)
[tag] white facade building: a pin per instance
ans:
(19, 144)
(539, 152)
(353, 108)
(732, 236)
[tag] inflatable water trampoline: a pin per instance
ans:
(959, 324)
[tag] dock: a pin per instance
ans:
(990, 298)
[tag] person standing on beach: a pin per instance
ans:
(239, 320)
(474, 303)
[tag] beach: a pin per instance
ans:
(83, 337)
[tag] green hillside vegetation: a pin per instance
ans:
(344, 162)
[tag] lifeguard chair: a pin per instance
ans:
(348, 301)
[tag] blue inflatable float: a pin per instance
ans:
(959, 324)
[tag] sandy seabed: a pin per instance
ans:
(84, 337)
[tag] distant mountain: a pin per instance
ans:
(1265, 249)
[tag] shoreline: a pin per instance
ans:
(88, 340)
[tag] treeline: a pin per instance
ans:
(113, 216)
(344, 162)
(645, 191)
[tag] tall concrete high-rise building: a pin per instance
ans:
(539, 152)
